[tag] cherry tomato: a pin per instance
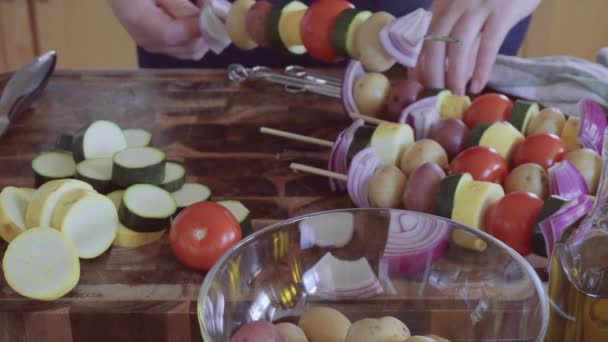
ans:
(316, 27)
(511, 220)
(483, 163)
(488, 108)
(544, 149)
(201, 233)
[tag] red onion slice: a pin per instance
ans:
(327, 230)
(421, 116)
(353, 70)
(415, 241)
(337, 158)
(403, 38)
(593, 125)
(212, 26)
(362, 167)
(566, 181)
(220, 8)
(553, 226)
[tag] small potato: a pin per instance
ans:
(258, 331)
(420, 152)
(386, 186)
(377, 330)
(418, 338)
(438, 338)
(529, 177)
(421, 189)
(402, 94)
(589, 164)
(548, 120)
(451, 134)
(371, 53)
(236, 25)
(291, 332)
(255, 21)
(371, 93)
(323, 324)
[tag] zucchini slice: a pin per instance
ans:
(40, 211)
(175, 177)
(447, 193)
(390, 140)
(361, 140)
(343, 32)
(13, 205)
(522, 114)
(189, 194)
(476, 134)
(138, 165)
(241, 213)
(146, 208)
(283, 27)
(137, 137)
(42, 264)
(100, 139)
(126, 237)
(552, 205)
(49, 166)
(88, 219)
(97, 172)
(64, 142)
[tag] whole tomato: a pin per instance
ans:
(483, 163)
(487, 108)
(544, 149)
(316, 27)
(201, 233)
(511, 220)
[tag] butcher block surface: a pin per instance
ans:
(201, 119)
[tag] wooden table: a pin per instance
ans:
(210, 125)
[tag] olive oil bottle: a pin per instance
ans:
(578, 281)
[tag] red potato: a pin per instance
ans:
(451, 134)
(255, 21)
(402, 94)
(422, 186)
(258, 331)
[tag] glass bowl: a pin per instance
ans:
(372, 263)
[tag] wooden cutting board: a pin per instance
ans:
(202, 120)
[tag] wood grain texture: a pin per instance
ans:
(85, 34)
(17, 35)
(212, 126)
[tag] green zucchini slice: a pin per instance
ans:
(137, 137)
(189, 194)
(279, 34)
(241, 213)
(146, 208)
(552, 205)
(476, 134)
(175, 177)
(98, 173)
(343, 32)
(361, 140)
(447, 192)
(53, 165)
(100, 139)
(139, 165)
(41, 264)
(522, 114)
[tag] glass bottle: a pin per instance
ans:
(578, 282)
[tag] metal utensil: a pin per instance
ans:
(24, 86)
(293, 82)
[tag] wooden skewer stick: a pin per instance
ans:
(367, 118)
(298, 137)
(318, 171)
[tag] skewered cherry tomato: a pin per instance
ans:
(316, 27)
(488, 108)
(483, 163)
(511, 220)
(543, 149)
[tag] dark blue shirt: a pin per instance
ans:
(273, 58)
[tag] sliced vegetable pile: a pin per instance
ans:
(328, 31)
(102, 186)
(518, 171)
(321, 323)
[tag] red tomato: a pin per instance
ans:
(483, 163)
(488, 108)
(511, 220)
(316, 27)
(201, 233)
(543, 149)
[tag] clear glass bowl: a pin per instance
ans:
(365, 263)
